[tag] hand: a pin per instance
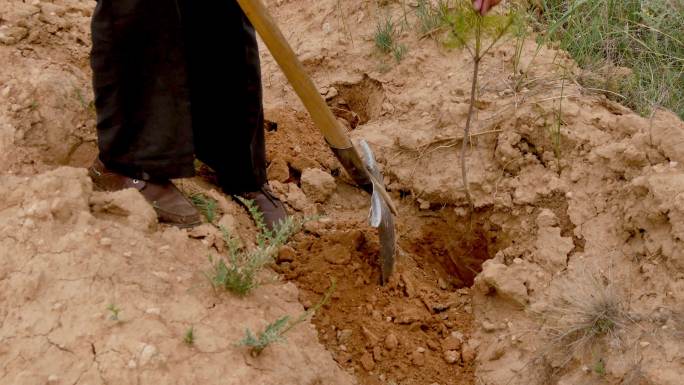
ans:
(483, 6)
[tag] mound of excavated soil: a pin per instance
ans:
(608, 207)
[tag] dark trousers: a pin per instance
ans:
(175, 80)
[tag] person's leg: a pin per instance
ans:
(142, 103)
(226, 97)
(225, 87)
(141, 92)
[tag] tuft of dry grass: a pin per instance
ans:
(584, 308)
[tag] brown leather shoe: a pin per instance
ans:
(271, 207)
(170, 204)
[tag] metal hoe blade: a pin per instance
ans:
(380, 215)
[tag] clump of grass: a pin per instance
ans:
(399, 51)
(520, 30)
(384, 35)
(275, 331)
(386, 39)
(645, 36)
(238, 271)
(189, 336)
(205, 205)
(432, 17)
(584, 308)
(113, 312)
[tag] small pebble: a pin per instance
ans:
(367, 362)
(488, 326)
(391, 341)
(343, 335)
(451, 356)
(153, 311)
(418, 359)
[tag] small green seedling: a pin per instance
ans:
(600, 367)
(465, 25)
(239, 271)
(114, 312)
(189, 336)
(275, 331)
(399, 51)
(205, 205)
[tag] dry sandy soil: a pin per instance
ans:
(571, 270)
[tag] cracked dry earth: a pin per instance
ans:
(471, 303)
(69, 252)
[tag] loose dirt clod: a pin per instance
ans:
(317, 185)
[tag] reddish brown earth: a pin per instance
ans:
(613, 211)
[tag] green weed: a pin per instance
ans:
(189, 336)
(205, 205)
(113, 312)
(238, 271)
(275, 331)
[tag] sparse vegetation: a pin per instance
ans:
(275, 331)
(238, 272)
(605, 36)
(585, 307)
(113, 312)
(205, 205)
(399, 51)
(386, 39)
(189, 336)
(384, 35)
(600, 367)
(432, 17)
